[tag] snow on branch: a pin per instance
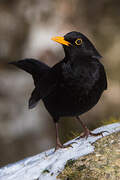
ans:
(47, 165)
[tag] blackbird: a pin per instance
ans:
(72, 86)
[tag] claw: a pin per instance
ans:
(98, 134)
(88, 132)
(58, 146)
(70, 145)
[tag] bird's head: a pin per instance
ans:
(77, 44)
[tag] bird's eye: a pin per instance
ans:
(78, 41)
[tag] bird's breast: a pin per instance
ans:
(79, 78)
(83, 81)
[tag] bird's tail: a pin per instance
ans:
(36, 68)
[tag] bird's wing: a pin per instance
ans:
(103, 77)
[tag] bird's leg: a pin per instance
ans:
(87, 132)
(58, 143)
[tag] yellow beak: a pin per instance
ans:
(61, 40)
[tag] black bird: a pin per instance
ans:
(72, 86)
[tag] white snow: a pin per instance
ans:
(47, 165)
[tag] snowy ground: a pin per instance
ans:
(47, 165)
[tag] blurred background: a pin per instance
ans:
(26, 28)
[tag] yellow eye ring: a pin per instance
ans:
(78, 41)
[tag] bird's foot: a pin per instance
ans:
(59, 145)
(88, 132)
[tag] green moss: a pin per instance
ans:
(46, 171)
(103, 164)
(70, 163)
(80, 168)
(110, 121)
